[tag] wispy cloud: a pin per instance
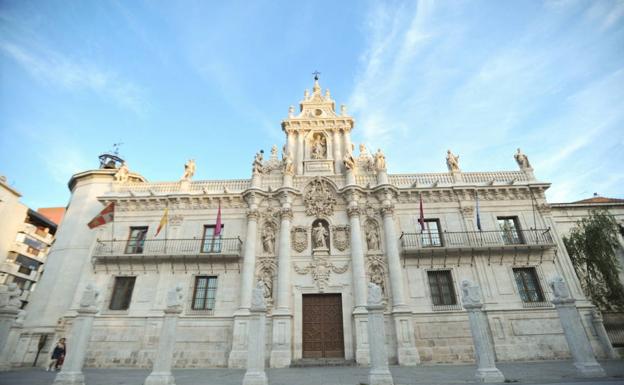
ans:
(54, 68)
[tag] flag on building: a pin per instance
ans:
(163, 221)
(421, 220)
(478, 216)
(217, 230)
(105, 216)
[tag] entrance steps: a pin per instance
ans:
(314, 362)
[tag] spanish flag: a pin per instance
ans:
(163, 221)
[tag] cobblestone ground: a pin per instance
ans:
(551, 372)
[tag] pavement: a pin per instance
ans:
(542, 372)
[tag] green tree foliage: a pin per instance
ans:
(592, 247)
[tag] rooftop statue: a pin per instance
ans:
(452, 161)
(348, 159)
(189, 170)
(522, 160)
(123, 173)
(257, 163)
(380, 160)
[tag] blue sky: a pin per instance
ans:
(213, 80)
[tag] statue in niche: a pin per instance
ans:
(189, 170)
(267, 283)
(522, 160)
(287, 162)
(380, 160)
(348, 159)
(318, 147)
(372, 237)
(268, 240)
(257, 163)
(452, 161)
(123, 173)
(319, 236)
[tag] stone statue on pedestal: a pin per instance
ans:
(522, 160)
(380, 160)
(452, 161)
(319, 233)
(189, 170)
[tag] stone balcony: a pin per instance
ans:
(430, 244)
(170, 250)
(36, 233)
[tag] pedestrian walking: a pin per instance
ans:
(58, 356)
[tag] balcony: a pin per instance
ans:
(443, 243)
(36, 233)
(170, 250)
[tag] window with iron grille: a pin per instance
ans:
(430, 236)
(204, 293)
(136, 240)
(122, 293)
(510, 230)
(528, 284)
(210, 243)
(441, 285)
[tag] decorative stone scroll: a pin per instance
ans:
(321, 268)
(299, 238)
(341, 236)
(319, 198)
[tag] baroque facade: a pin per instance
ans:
(313, 226)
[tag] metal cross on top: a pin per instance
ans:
(316, 75)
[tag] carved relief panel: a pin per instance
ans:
(299, 238)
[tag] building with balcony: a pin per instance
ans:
(25, 239)
(312, 226)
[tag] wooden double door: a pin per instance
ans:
(322, 326)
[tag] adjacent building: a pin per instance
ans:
(25, 239)
(312, 226)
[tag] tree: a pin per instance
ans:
(592, 246)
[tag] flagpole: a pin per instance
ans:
(166, 224)
(113, 230)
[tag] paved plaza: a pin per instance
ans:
(552, 372)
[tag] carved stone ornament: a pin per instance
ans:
(467, 211)
(265, 274)
(273, 163)
(342, 236)
(471, 293)
(175, 220)
(559, 288)
(319, 198)
(89, 296)
(174, 297)
(299, 238)
(321, 268)
(374, 295)
(376, 267)
(257, 297)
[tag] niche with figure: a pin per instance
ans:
(320, 235)
(318, 146)
(371, 231)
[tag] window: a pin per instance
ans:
(528, 284)
(430, 236)
(204, 293)
(122, 293)
(509, 230)
(136, 240)
(441, 285)
(210, 243)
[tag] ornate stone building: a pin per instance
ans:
(314, 225)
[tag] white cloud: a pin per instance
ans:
(56, 69)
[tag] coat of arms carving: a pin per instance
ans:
(321, 268)
(341, 237)
(299, 238)
(319, 198)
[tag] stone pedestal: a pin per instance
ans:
(580, 347)
(78, 342)
(238, 355)
(161, 371)
(379, 373)
(362, 350)
(484, 351)
(382, 177)
(8, 314)
(350, 178)
(9, 347)
(288, 180)
(255, 374)
(603, 337)
(281, 352)
(407, 353)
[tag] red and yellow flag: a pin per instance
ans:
(163, 221)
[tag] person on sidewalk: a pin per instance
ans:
(58, 355)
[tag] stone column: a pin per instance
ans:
(255, 374)
(580, 347)
(603, 337)
(337, 157)
(407, 352)
(300, 154)
(379, 374)
(359, 283)
(161, 371)
(78, 341)
(6, 353)
(481, 337)
(238, 355)
(282, 317)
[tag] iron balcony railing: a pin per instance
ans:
(169, 247)
(466, 239)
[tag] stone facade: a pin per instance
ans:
(319, 219)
